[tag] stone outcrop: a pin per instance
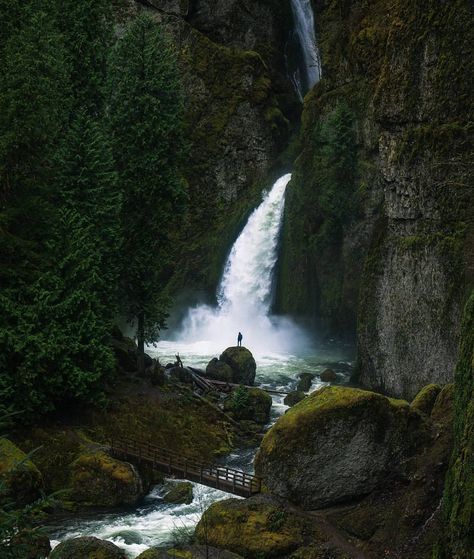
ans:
(87, 548)
(293, 398)
(252, 404)
(389, 257)
(101, 481)
(218, 370)
(242, 363)
(180, 493)
(238, 103)
(426, 398)
(20, 478)
(338, 444)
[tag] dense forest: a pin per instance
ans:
(236, 279)
(91, 145)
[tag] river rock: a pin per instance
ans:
(338, 444)
(180, 493)
(304, 384)
(20, 479)
(293, 398)
(189, 552)
(242, 363)
(87, 548)
(426, 398)
(328, 375)
(218, 370)
(102, 481)
(251, 404)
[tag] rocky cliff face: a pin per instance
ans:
(238, 111)
(391, 256)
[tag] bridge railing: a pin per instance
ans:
(213, 475)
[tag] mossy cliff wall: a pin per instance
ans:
(239, 108)
(457, 541)
(391, 256)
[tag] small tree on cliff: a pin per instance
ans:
(146, 117)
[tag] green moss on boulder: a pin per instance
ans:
(180, 493)
(251, 528)
(21, 479)
(426, 398)
(252, 404)
(242, 363)
(102, 481)
(218, 370)
(338, 444)
(87, 548)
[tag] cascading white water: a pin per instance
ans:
(304, 27)
(244, 294)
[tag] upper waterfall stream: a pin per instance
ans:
(305, 75)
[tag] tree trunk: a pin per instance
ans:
(141, 343)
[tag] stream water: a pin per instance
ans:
(282, 350)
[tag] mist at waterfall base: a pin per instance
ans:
(245, 294)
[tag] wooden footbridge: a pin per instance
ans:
(174, 464)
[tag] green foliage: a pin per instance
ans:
(146, 111)
(457, 541)
(240, 400)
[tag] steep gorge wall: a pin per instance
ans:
(390, 258)
(239, 113)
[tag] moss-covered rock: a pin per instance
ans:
(242, 363)
(328, 375)
(338, 444)
(102, 481)
(180, 493)
(87, 548)
(218, 370)
(305, 381)
(21, 480)
(252, 404)
(153, 554)
(31, 544)
(443, 407)
(457, 541)
(426, 397)
(251, 528)
(189, 552)
(293, 398)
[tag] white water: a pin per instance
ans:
(245, 293)
(304, 27)
(281, 351)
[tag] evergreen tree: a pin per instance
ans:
(146, 115)
(87, 30)
(87, 184)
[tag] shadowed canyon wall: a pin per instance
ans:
(378, 226)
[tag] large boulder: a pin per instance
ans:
(252, 404)
(218, 370)
(242, 363)
(102, 481)
(189, 552)
(328, 375)
(426, 398)
(87, 548)
(250, 528)
(338, 444)
(305, 382)
(20, 479)
(180, 493)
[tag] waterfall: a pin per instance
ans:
(245, 291)
(304, 29)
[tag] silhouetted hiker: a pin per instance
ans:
(178, 361)
(239, 339)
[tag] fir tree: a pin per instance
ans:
(146, 110)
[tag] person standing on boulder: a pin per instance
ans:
(239, 339)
